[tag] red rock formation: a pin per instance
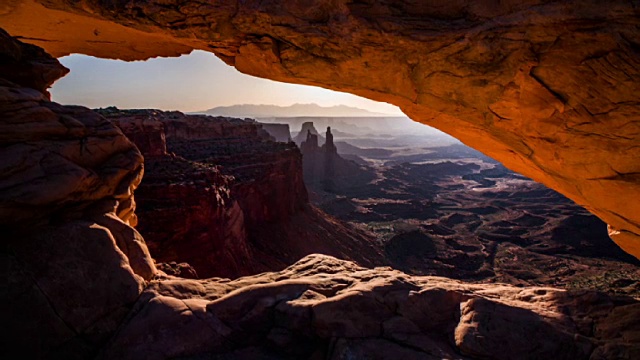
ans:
(146, 132)
(76, 272)
(324, 169)
(322, 307)
(548, 88)
(29, 65)
(186, 210)
(72, 266)
(187, 215)
(251, 214)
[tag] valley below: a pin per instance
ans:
(231, 197)
(448, 210)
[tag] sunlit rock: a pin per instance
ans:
(329, 308)
(549, 89)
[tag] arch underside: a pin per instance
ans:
(549, 89)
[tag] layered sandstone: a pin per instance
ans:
(186, 208)
(548, 88)
(220, 195)
(72, 265)
(187, 214)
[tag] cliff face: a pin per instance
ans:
(148, 134)
(72, 265)
(550, 88)
(187, 214)
(225, 198)
(186, 207)
(267, 178)
(280, 132)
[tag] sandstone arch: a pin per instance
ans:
(549, 88)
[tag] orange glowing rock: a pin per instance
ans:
(551, 90)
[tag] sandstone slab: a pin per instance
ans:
(322, 307)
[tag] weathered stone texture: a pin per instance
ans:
(322, 307)
(548, 88)
(72, 266)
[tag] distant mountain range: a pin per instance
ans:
(295, 110)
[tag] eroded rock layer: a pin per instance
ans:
(72, 264)
(219, 194)
(325, 308)
(548, 88)
(185, 208)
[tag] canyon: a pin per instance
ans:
(441, 208)
(219, 194)
(79, 280)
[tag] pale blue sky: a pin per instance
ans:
(198, 81)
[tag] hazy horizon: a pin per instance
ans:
(190, 83)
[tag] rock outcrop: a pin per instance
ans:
(325, 308)
(147, 133)
(550, 89)
(72, 264)
(280, 132)
(186, 208)
(187, 214)
(324, 169)
(303, 135)
(223, 197)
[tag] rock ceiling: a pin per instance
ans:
(549, 88)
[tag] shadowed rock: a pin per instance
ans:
(67, 190)
(221, 196)
(74, 265)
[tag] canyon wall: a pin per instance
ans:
(192, 210)
(223, 197)
(280, 132)
(549, 88)
(72, 265)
